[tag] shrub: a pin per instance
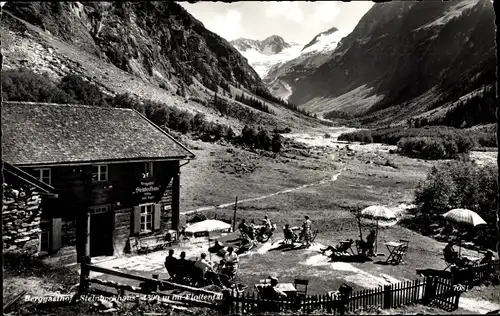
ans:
(25, 85)
(367, 139)
(82, 90)
(248, 135)
(276, 143)
(461, 184)
(432, 147)
(263, 140)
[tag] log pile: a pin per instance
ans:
(21, 219)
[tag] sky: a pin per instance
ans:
(295, 21)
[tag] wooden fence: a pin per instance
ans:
(144, 285)
(471, 276)
(431, 291)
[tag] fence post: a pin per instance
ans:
(430, 290)
(454, 275)
(84, 275)
(387, 296)
(226, 303)
(470, 274)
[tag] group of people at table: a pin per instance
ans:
(202, 271)
(451, 256)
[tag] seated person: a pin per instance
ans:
(450, 254)
(171, 263)
(217, 248)
(488, 258)
(343, 246)
(243, 227)
(246, 245)
(252, 224)
(271, 291)
(288, 233)
(205, 269)
(267, 222)
(251, 233)
(184, 267)
(369, 244)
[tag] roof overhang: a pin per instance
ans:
(29, 179)
(102, 162)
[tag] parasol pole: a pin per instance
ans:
(210, 254)
(359, 225)
(376, 238)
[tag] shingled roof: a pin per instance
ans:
(48, 133)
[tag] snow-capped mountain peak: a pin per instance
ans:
(272, 45)
(274, 50)
(265, 54)
(325, 41)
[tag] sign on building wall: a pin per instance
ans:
(148, 191)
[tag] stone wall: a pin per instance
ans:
(21, 212)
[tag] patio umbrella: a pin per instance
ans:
(464, 217)
(378, 212)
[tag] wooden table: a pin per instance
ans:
(392, 246)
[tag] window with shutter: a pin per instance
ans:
(157, 216)
(136, 220)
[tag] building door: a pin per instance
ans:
(101, 231)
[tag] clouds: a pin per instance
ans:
(285, 10)
(325, 13)
(294, 21)
(227, 25)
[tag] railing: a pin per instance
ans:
(432, 291)
(471, 276)
(438, 292)
(148, 287)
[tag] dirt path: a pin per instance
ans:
(333, 178)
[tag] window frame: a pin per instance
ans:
(100, 173)
(99, 209)
(148, 212)
(40, 175)
(148, 169)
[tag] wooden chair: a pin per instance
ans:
(304, 284)
(400, 254)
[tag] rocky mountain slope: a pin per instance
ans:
(153, 50)
(266, 54)
(282, 77)
(280, 63)
(404, 58)
(272, 45)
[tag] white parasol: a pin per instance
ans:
(209, 225)
(378, 212)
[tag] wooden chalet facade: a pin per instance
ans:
(116, 174)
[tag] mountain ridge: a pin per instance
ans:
(121, 48)
(376, 67)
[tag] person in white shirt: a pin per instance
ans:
(203, 264)
(231, 261)
(205, 269)
(267, 222)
